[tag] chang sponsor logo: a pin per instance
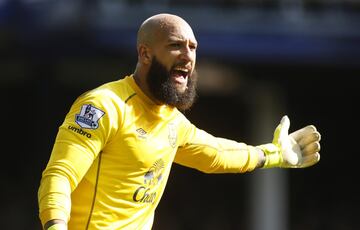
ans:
(152, 178)
(143, 195)
(79, 131)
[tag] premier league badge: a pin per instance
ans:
(89, 117)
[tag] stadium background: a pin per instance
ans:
(257, 60)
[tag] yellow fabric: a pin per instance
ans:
(109, 172)
(224, 156)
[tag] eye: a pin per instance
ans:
(193, 47)
(175, 45)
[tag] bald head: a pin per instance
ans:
(166, 48)
(156, 27)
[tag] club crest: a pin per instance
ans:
(172, 134)
(89, 117)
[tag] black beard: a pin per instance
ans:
(163, 89)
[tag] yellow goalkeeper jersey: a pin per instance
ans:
(112, 157)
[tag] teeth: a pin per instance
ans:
(182, 69)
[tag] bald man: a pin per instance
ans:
(113, 153)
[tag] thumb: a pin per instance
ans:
(285, 125)
(282, 130)
(290, 149)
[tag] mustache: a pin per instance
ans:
(185, 65)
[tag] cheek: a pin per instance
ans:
(167, 59)
(193, 65)
(193, 59)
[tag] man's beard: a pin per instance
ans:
(163, 89)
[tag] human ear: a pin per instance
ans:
(144, 54)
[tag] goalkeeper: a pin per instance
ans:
(113, 153)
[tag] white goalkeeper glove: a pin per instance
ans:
(58, 227)
(300, 149)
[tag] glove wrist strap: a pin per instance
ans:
(273, 157)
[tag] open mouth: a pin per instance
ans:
(180, 74)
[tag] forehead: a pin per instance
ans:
(176, 30)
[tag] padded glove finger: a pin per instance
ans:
(309, 138)
(311, 148)
(299, 134)
(310, 160)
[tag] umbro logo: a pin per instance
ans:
(142, 133)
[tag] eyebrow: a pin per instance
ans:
(177, 39)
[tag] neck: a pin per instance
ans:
(140, 80)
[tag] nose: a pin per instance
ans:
(187, 54)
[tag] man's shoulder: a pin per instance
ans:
(113, 85)
(107, 95)
(115, 89)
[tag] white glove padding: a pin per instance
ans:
(301, 148)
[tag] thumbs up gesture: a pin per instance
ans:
(301, 148)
